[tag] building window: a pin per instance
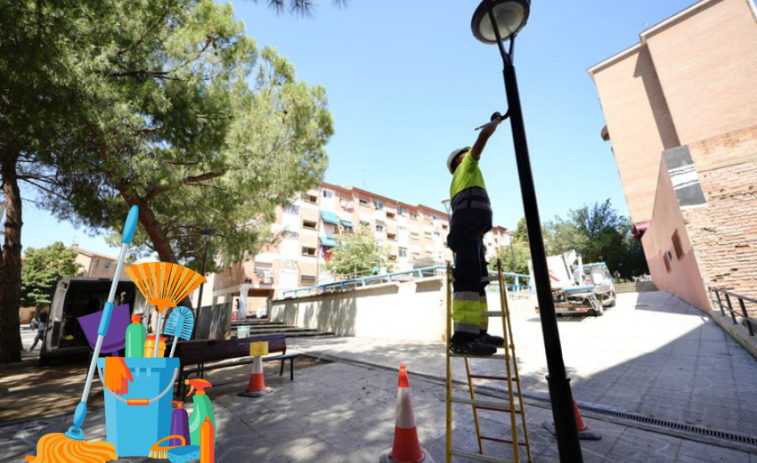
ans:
(309, 224)
(309, 252)
(346, 204)
(363, 202)
(307, 280)
(312, 199)
(328, 194)
(389, 215)
(379, 205)
(401, 210)
(365, 223)
(391, 236)
(436, 217)
(286, 234)
(392, 258)
(97, 263)
(677, 245)
(437, 234)
(415, 236)
(379, 228)
(402, 229)
(444, 226)
(106, 265)
(292, 209)
(414, 215)
(403, 252)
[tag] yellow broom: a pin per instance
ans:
(163, 285)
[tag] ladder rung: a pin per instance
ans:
(496, 356)
(493, 313)
(495, 378)
(503, 441)
(497, 406)
(478, 456)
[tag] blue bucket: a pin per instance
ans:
(133, 428)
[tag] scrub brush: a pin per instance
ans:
(179, 324)
(161, 453)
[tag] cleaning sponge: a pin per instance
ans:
(184, 454)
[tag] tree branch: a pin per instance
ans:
(187, 181)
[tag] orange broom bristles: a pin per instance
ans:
(57, 448)
(162, 284)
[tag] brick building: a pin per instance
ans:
(413, 235)
(681, 112)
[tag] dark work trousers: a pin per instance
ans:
(465, 238)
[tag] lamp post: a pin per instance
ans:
(494, 22)
(208, 232)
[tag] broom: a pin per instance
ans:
(163, 285)
(54, 448)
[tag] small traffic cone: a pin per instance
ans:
(584, 433)
(256, 386)
(406, 447)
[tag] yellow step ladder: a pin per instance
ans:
(512, 378)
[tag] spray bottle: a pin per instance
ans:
(202, 408)
(179, 425)
(135, 338)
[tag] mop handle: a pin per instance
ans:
(157, 337)
(129, 228)
(173, 347)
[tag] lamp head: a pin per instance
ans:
(509, 15)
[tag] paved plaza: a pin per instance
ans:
(652, 355)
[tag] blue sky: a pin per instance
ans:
(407, 83)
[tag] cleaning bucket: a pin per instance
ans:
(137, 420)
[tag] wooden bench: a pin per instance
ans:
(200, 352)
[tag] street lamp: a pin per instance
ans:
(208, 232)
(496, 21)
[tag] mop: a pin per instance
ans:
(163, 285)
(71, 446)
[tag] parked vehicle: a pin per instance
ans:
(578, 288)
(75, 297)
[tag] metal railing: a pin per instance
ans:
(717, 301)
(406, 275)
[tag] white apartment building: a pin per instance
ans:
(413, 235)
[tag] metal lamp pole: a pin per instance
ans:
(569, 447)
(208, 232)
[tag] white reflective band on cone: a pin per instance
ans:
(405, 415)
(257, 365)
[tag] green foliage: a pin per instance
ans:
(521, 253)
(299, 7)
(358, 253)
(599, 234)
(192, 123)
(41, 270)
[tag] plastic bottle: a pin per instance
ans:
(207, 442)
(135, 337)
(179, 424)
(150, 346)
(202, 408)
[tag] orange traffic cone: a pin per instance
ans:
(584, 433)
(256, 386)
(406, 447)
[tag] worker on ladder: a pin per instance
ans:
(471, 220)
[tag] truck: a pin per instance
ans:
(578, 288)
(74, 297)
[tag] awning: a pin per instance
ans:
(347, 224)
(328, 242)
(330, 217)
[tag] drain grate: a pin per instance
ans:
(656, 422)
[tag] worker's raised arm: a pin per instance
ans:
(483, 137)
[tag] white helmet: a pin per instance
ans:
(452, 157)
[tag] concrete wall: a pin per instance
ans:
(680, 276)
(413, 310)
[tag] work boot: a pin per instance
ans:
(489, 339)
(472, 348)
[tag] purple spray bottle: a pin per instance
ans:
(179, 424)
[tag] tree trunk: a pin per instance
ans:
(10, 263)
(155, 231)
